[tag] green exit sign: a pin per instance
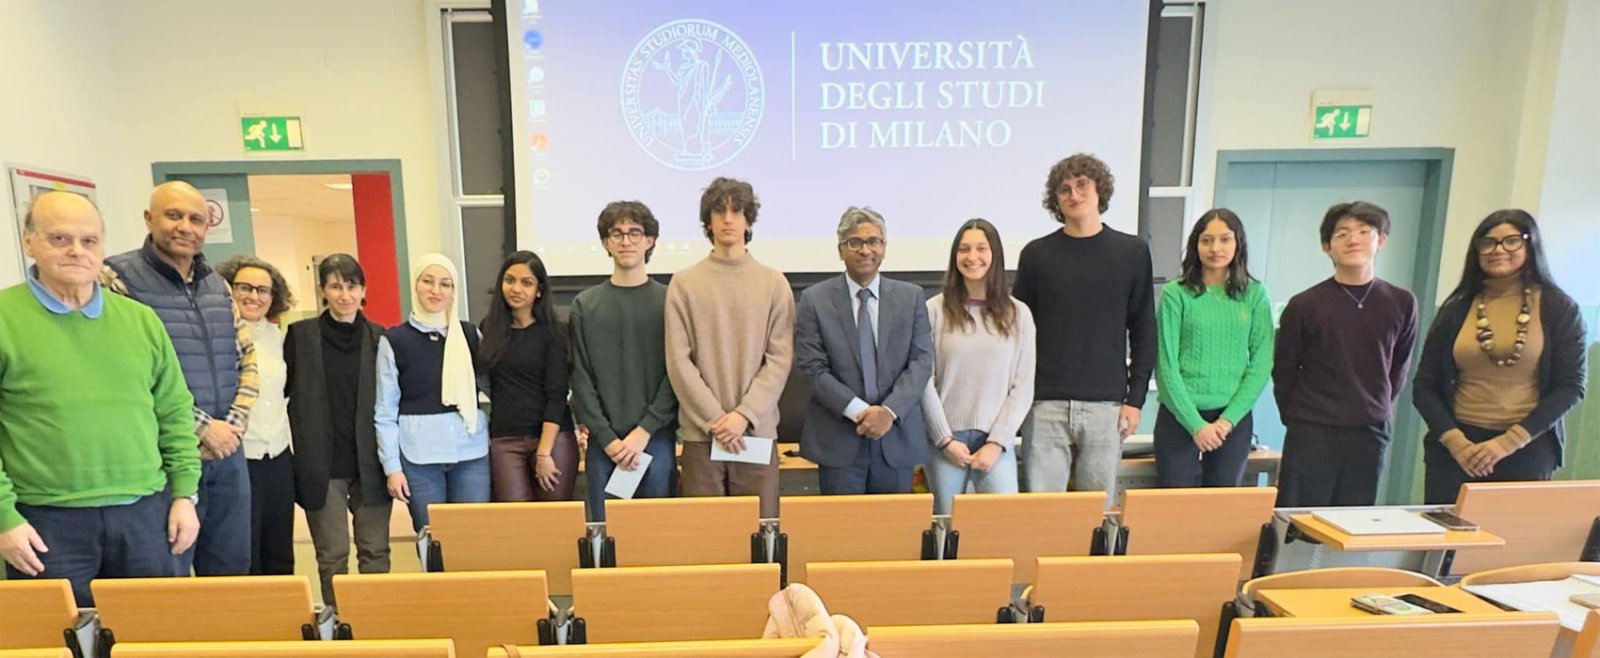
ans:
(272, 133)
(1341, 121)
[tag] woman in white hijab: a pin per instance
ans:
(432, 439)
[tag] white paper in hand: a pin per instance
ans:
(624, 482)
(756, 451)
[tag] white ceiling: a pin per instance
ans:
(300, 197)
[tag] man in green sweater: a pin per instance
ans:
(620, 389)
(99, 463)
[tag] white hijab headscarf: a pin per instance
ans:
(458, 385)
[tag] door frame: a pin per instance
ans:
(1401, 484)
(161, 172)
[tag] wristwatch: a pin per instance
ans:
(193, 499)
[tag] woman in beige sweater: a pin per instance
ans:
(1503, 362)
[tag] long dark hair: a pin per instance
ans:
(1534, 271)
(1194, 275)
(997, 310)
(496, 325)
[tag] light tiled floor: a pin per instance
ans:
(402, 559)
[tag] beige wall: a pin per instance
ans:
(1465, 74)
(1569, 192)
(58, 90)
(113, 86)
(106, 88)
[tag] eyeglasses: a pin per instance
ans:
(247, 289)
(855, 244)
(1360, 235)
(623, 237)
(1510, 243)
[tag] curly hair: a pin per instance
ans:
(282, 296)
(1079, 164)
(729, 194)
(618, 212)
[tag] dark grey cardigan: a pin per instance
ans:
(1562, 368)
(310, 419)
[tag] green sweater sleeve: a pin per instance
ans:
(663, 408)
(1172, 392)
(1259, 368)
(9, 517)
(586, 407)
(180, 446)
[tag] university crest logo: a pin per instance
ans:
(692, 94)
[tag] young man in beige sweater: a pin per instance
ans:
(730, 344)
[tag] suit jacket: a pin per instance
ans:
(828, 353)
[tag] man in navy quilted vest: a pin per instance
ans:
(170, 274)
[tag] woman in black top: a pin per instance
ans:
(525, 355)
(332, 390)
(1503, 362)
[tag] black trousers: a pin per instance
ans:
(1327, 466)
(272, 515)
(1536, 461)
(1179, 462)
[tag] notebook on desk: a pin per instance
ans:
(1543, 596)
(1378, 521)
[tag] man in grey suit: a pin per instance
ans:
(864, 424)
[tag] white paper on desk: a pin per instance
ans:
(624, 482)
(756, 451)
(1592, 580)
(1542, 596)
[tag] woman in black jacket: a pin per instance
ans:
(1501, 365)
(332, 390)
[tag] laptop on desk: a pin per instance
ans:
(1378, 521)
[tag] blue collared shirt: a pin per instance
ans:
(855, 301)
(428, 439)
(857, 406)
(92, 310)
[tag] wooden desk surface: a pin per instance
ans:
(1335, 602)
(1327, 534)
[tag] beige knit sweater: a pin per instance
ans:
(730, 343)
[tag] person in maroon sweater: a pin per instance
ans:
(1343, 350)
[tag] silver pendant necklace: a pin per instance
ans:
(1362, 301)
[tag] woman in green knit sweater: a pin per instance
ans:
(1215, 357)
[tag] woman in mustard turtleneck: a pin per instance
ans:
(1502, 363)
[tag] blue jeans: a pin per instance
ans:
(117, 541)
(223, 548)
(945, 479)
(657, 481)
(461, 482)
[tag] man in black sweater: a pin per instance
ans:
(1090, 289)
